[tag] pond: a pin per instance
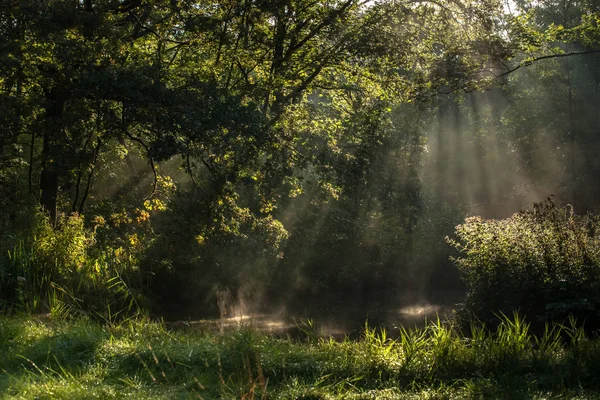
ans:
(344, 323)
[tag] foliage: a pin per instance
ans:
(544, 263)
(219, 146)
(62, 271)
(233, 253)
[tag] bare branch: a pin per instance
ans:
(91, 175)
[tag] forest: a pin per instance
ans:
(299, 199)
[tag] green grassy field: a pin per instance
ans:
(83, 359)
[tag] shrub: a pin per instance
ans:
(202, 251)
(65, 271)
(544, 263)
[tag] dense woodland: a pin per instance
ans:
(193, 158)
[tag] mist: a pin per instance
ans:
(303, 199)
(376, 247)
(289, 161)
(489, 153)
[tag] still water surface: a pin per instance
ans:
(346, 323)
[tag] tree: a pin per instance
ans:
(255, 100)
(206, 80)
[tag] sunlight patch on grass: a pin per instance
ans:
(81, 359)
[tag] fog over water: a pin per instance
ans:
(492, 154)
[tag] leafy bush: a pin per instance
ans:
(63, 270)
(204, 251)
(544, 263)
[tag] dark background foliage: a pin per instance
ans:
(206, 158)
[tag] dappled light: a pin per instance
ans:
(308, 199)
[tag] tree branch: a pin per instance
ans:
(315, 31)
(91, 175)
(150, 161)
(152, 31)
(546, 57)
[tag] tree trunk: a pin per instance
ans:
(48, 181)
(49, 174)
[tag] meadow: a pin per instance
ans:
(83, 359)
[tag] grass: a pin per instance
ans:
(82, 359)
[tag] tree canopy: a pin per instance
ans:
(238, 124)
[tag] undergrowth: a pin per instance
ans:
(142, 359)
(65, 272)
(543, 263)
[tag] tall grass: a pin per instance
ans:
(137, 358)
(65, 273)
(22, 282)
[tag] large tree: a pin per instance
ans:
(212, 80)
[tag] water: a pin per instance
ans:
(344, 323)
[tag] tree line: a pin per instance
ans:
(273, 144)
